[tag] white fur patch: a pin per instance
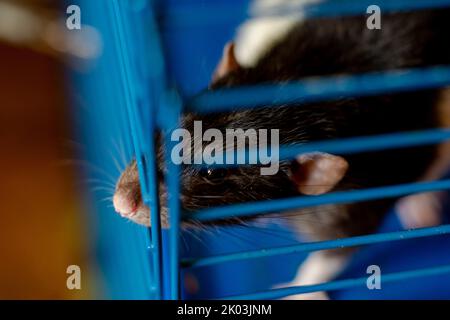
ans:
(257, 35)
(318, 268)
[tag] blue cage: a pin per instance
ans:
(156, 57)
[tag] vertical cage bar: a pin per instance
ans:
(169, 120)
(157, 80)
(125, 69)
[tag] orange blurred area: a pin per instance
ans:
(42, 230)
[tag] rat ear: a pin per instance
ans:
(227, 63)
(319, 172)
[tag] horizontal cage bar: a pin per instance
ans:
(317, 246)
(319, 89)
(186, 16)
(348, 145)
(341, 284)
(280, 205)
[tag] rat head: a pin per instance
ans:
(309, 174)
(203, 187)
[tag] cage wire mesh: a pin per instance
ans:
(139, 96)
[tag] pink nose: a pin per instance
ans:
(124, 206)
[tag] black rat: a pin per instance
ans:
(322, 47)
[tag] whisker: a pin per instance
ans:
(107, 199)
(116, 163)
(121, 150)
(271, 232)
(208, 197)
(102, 189)
(90, 166)
(98, 182)
(121, 163)
(236, 235)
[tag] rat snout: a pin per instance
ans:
(127, 199)
(124, 205)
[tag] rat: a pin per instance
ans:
(313, 48)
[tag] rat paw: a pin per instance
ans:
(421, 210)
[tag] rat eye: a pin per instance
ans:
(212, 174)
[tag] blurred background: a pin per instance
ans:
(42, 222)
